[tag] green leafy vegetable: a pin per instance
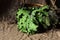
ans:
(28, 18)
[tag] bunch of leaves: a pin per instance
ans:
(25, 21)
(28, 18)
(42, 16)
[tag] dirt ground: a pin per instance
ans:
(10, 32)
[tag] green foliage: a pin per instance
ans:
(25, 21)
(28, 18)
(42, 16)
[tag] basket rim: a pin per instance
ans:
(34, 4)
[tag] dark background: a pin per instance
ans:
(7, 5)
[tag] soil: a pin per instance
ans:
(9, 31)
